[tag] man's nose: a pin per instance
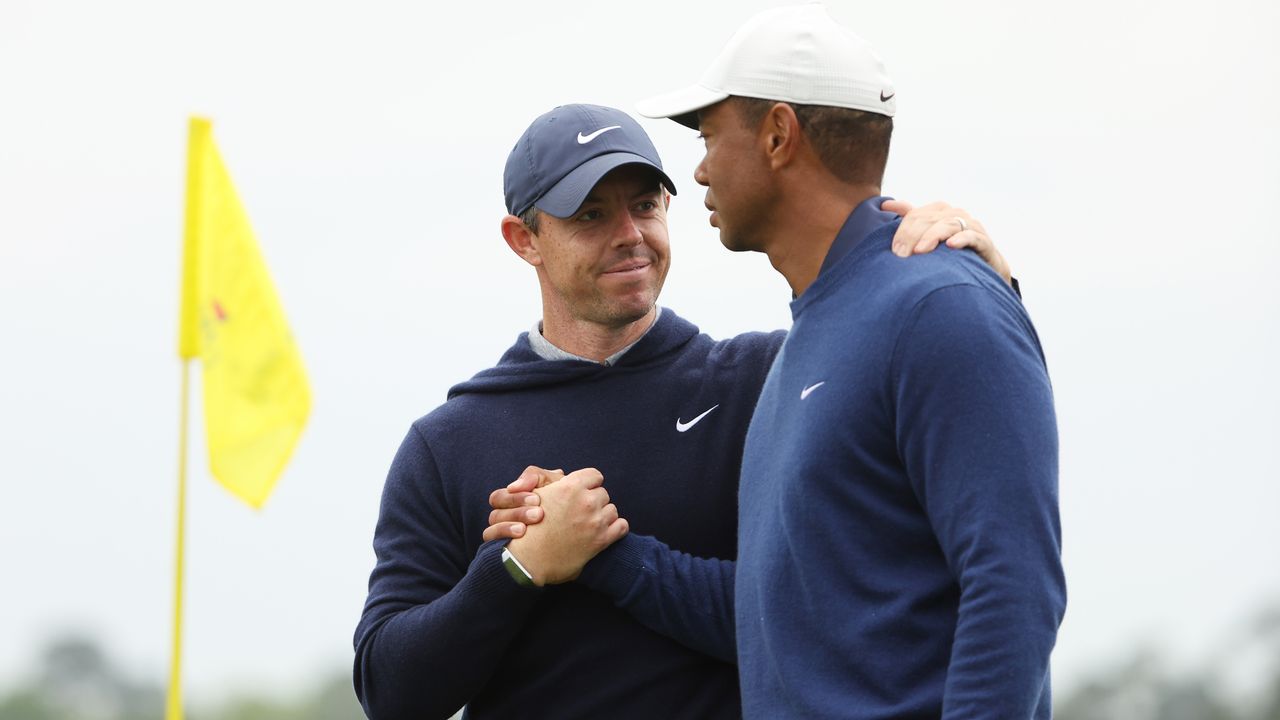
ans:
(628, 233)
(700, 173)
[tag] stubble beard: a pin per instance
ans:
(619, 312)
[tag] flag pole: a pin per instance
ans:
(173, 702)
(188, 348)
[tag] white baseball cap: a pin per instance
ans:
(797, 54)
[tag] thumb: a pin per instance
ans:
(529, 479)
(897, 207)
(550, 476)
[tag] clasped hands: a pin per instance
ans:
(556, 522)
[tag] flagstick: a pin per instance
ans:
(173, 703)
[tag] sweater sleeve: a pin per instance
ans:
(976, 430)
(689, 599)
(435, 625)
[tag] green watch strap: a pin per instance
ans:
(516, 570)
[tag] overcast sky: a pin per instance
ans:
(1124, 155)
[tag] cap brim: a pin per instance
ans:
(681, 105)
(568, 195)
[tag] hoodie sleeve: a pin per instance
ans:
(689, 599)
(435, 623)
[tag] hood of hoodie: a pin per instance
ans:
(521, 368)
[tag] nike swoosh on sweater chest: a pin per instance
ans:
(684, 426)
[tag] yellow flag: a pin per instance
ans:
(256, 396)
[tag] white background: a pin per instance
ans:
(1123, 154)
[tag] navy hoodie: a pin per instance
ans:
(444, 625)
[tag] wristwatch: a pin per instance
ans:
(516, 570)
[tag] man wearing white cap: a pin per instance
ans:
(898, 539)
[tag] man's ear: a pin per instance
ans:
(520, 239)
(780, 134)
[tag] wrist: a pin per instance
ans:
(521, 572)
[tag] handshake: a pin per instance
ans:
(556, 522)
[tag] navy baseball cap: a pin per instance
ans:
(565, 152)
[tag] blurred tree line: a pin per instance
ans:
(76, 680)
(1241, 681)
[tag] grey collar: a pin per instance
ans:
(545, 350)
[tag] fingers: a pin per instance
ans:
(534, 477)
(504, 531)
(615, 527)
(981, 243)
(609, 513)
(503, 499)
(529, 515)
(973, 239)
(527, 481)
(924, 228)
(617, 530)
(945, 228)
(520, 492)
(589, 478)
(915, 224)
(511, 523)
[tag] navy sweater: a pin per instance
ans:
(445, 625)
(899, 542)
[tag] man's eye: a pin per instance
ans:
(647, 206)
(590, 215)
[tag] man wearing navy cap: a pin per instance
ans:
(606, 380)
